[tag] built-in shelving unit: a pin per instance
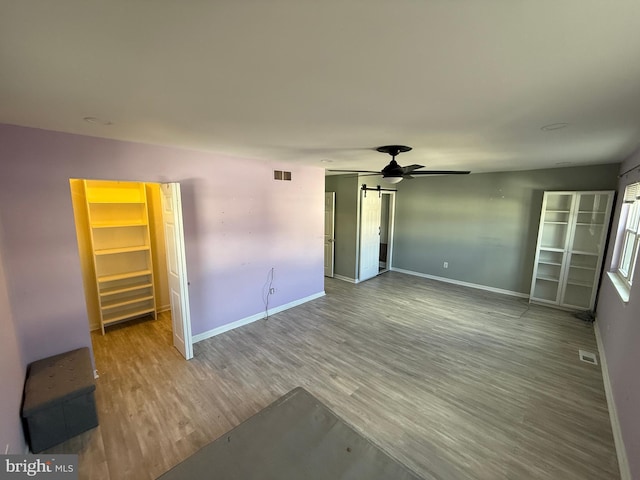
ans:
(119, 226)
(571, 241)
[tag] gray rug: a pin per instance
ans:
(294, 438)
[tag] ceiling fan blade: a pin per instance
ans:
(354, 171)
(441, 172)
(411, 168)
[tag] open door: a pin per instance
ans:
(177, 268)
(329, 236)
(369, 234)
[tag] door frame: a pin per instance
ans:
(89, 305)
(332, 240)
(390, 228)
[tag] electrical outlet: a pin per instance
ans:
(445, 264)
(272, 290)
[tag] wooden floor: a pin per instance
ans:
(454, 382)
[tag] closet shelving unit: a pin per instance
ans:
(570, 249)
(121, 246)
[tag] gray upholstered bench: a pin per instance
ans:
(58, 399)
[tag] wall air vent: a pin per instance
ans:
(281, 175)
(588, 357)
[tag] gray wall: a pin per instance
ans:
(484, 225)
(619, 326)
(346, 234)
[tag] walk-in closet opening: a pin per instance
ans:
(125, 231)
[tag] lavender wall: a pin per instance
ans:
(619, 326)
(239, 223)
(11, 373)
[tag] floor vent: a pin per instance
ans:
(588, 357)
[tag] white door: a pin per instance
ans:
(329, 229)
(177, 268)
(370, 206)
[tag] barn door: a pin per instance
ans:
(370, 206)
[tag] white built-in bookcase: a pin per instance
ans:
(121, 247)
(571, 240)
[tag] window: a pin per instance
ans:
(630, 218)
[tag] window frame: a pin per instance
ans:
(628, 242)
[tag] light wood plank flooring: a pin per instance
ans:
(454, 382)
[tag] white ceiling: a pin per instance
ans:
(468, 84)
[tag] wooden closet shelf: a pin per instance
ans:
(128, 288)
(116, 202)
(122, 276)
(127, 315)
(125, 301)
(113, 251)
(141, 223)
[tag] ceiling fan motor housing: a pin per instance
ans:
(392, 170)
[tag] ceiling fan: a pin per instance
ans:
(394, 173)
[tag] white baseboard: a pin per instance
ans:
(461, 283)
(345, 279)
(164, 308)
(623, 463)
(258, 316)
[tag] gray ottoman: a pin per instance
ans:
(58, 399)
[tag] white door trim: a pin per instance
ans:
(391, 227)
(329, 243)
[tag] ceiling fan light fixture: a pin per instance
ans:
(392, 179)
